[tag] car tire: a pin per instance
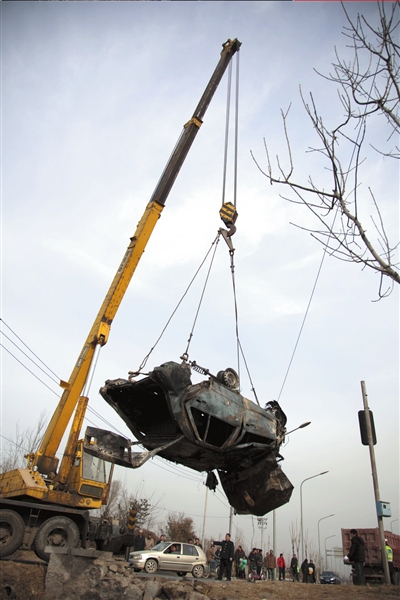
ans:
(151, 566)
(180, 574)
(12, 532)
(137, 570)
(60, 532)
(198, 571)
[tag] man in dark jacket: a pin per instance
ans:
(357, 556)
(259, 561)
(139, 541)
(239, 553)
(293, 567)
(226, 557)
(304, 570)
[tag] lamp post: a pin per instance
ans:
(326, 552)
(319, 544)
(301, 509)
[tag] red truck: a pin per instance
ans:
(373, 568)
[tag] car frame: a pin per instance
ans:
(187, 558)
(329, 577)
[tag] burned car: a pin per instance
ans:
(208, 426)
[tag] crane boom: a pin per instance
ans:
(75, 389)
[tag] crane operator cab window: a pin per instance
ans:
(95, 468)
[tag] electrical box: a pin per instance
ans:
(383, 509)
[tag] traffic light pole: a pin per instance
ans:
(375, 481)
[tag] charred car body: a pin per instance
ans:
(206, 426)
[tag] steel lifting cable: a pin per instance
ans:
(144, 361)
(236, 129)
(239, 345)
(239, 348)
(185, 355)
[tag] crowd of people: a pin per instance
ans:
(224, 561)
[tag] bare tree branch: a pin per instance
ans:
(369, 85)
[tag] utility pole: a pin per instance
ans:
(203, 534)
(375, 481)
(262, 524)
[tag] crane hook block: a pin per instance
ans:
(229, 215)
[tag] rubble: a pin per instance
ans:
(99, 576)
(102, 576)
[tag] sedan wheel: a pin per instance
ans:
(151, 566)
(198, 571)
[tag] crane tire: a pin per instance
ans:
(12, 530)
(60, 532)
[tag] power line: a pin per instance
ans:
(30, 350)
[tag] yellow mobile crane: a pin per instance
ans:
(46, 503)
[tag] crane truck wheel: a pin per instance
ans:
(61, 532)
(12, 530)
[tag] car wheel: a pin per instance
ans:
(61, 532)
(198, 571)
(137, 570)
(151, 566)
(12, 530)
(180, 574)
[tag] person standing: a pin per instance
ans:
(389, 554)
(281, 566)
(139, 541)
(357, 556)
(311, 572)
(212, 563)
(259, 561)
(149, 542)
(293, 567)
(239, 553)
(304, 570)
(162, 539)
(226, 557)
(270, 564)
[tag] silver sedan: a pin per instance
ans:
(170, 556)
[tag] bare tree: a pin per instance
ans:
(15, 449)
(295, 537)
(121, 501)
(179, 528)
(368, 89)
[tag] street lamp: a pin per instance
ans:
(326, 552)
(299, 427)
(301, 509)
(319, 545)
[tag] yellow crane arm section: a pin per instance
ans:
(98, 334)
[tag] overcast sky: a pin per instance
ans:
(94, 96)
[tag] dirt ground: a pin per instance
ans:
(28, 582)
